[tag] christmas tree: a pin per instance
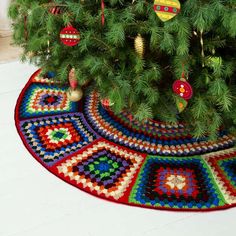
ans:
(167, 60)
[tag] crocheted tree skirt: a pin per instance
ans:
(152, 165)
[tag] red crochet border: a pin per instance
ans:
(50, 169)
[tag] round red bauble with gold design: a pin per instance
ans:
(70, 36)
(183, 88)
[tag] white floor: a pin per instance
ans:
(34, 202)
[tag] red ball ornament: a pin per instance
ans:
(70, 36)
(183, 89)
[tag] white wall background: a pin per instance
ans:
(4, 22)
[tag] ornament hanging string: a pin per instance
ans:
(48, 47)
(202, 46)
(183, 73)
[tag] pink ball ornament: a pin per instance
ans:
(72, 79)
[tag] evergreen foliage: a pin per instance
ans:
(106, 55)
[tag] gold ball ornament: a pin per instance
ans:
(74, 95)
(139, 45)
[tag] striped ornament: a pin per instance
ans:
(56, 10)
(70, 36)
(166, 9)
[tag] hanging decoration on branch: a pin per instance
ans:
(166, 9)
(48, 47)
(184, 91)
(202, 48)
(72, 79)
(181, 104)
(139, 45)
(56, 10)
(74, 93)
(70, 36)
(103, 14)
(182, 88)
